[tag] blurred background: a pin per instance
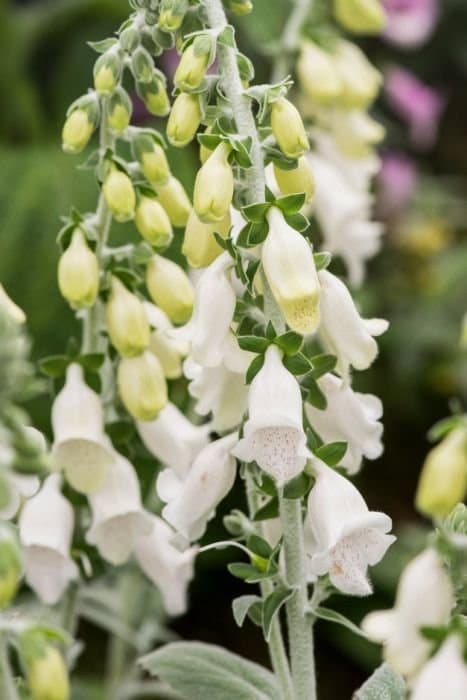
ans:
(418, 282)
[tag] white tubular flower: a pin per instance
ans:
(79, 447)
(349, 416)
(424, 597)
(12, 310)
(169, 351)
(343, 331)
(46, 530)
(289, 267)
(168, 568)
(173, 439)
(192, 503)
(348, 538)
(118, 515)
(355, 132)
(445, 675)
(273, 434)
(213, 312)
(20, 487)
(356, 172)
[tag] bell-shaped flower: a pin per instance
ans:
(170, 288)
(19, 487)
(351, 417)
(78, 273)
(142, 386)
(360, 80)
(318, 74)
(191, 503)
(167, 567)
(445, 675)
(214, 308)
(169, 351)
(299, 179)
(424, 598)
(212, 203)
(45, 530)
(184, 119)
(343, 331)
(290, 270)
(199, 244)
(347, 538)
(79, 447)
(118, 518)
(273, 434)
(173, 439)
(288, 129)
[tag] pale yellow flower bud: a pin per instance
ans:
(184, 120)
(443, 481)
(155, 97)
(360, 80)
(119, 195)
(12, 310)
(153, 222)
(240, 7)
(360, 16)
(300, 179)
(175, 201)
(288, 129)
(126, 320)
(204, 151)
(152, 159)
(318, 74)
(170, 288)
(78, 273)
(77, 131)
(10, 566)
(214, 186)
(355, 132)
(193, 65)
(171, 14)
(142, 386)
(107, 71)
(199, 245)
(119, 111)
(47, 675)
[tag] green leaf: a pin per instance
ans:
(102, 46)
(384, 684)
(257, 233)
(332, 453)
(253, 343)
(254, 368)
(241, 606)
(268, 511)
(227, 37)
(322, 260)
(291, 203)
(297, 221)
(256, 213)
(54, 366)
(322, 364)
(334, 616)
(297, 364)
(272, 605)
(248, 572)
(199, 671)
(297, 487)
(315, 396)
(289, 342)
(259, 546)
(270, 331)
(92, 361)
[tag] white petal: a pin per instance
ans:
(48, 572)
(445, 675)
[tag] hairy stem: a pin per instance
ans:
(299, 627)
(290, 38)
(8, 690)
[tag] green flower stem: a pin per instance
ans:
(290, 38)
(8, 690)
(299, 627)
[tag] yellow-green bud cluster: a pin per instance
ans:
(154, 95)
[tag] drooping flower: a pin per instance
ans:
(45, 530)
(170, 288)
(347, 538)
(79, 448)
(424, 597)
(168, 350)
(192, 502)
(288, 129)
(167, 567)
(273, 434)
(360, 80)
(118, 518)
(173, 439)
(343, 331)
(142, 385)
(127, 325)
(410, 22)
(444, 675)
(290, 270)
(351, 417)
(318, 74)
(78, 273)
(213, 203)
(19, 487)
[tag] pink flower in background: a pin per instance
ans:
(420, 105)
(397, 180)
(410, 22)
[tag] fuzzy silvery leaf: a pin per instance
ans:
(384, 684)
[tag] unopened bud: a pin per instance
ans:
(46, 672)
(142, 65)
(288, 129)
(107, 72)
(142, 386)
(318, 74)
(126, 320)
(299, 179)
(119, 195)
(199, 244)
(443, 481)
(153, 222)
(240, 7)
(175, 201)
(171, 14)
(184, 119)
(10, 565)
(152, 159)
(360, 80)
(119, 111)
(155, 97)
(355, 132)
(193, 64)
(204, 151)
(214, 186)
(170, 288)
(78, 273)
(129, 39)
(456, 522)
(360, 16)
(77, 131)
(8, 306)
